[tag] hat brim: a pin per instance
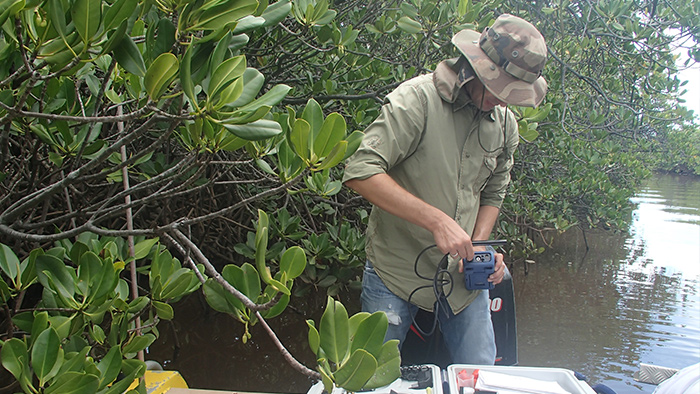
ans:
(504, 86)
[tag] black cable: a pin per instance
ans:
(438, 282)
(441, 278)
(478, 130)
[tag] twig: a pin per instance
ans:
(285, 353)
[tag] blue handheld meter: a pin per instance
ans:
(477, 271)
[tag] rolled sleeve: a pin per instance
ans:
(495, 191)
(393, 136)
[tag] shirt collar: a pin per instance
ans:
(449, 77)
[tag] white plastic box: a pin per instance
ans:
(564, 377)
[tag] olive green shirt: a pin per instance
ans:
(436, 144)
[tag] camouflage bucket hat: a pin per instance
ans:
(508, 58)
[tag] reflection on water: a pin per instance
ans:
(631, 298)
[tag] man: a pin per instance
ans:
(436, 164)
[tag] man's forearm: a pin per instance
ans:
(382, 191)
(485, 220)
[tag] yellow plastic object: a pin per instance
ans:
(159, 382)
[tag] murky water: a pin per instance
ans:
(631, 298)
(628, 298)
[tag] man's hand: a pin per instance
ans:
(499, 266)
(451, 239)
(382, 191)
(499, 270)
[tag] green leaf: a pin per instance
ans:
(14, 357)
(279, 286)
(13, 8)
(165, 311)
(271, 98)
(326, 380)
(5, 293)
(239, 117)
(279, 307)
(409, 25)
(143, 248)
(334, 331)
(24, 320)
(255, 131)
(410, 10)
(248, 23)
(232, 143)
(57, 16)
(87, 15)
(89, 268)
(326, 18)
(104, 282)
(541, 113)
(114, 38)
(526, 132)
(160, 74)
(55, 275)
(176, 284)
(136, 305)
(244, 278)
(388, 366)
(118, 13)
(313, 113)
(228, 95)
(253, 81)
(354, 140)
(45, 355)
(74, 383)
(354, 373)
(9, 263)
(293, 262)
(289, 163)
(28, 269)
(462, 7)
(109, 366)
(165, 37)
(355, 321)
(334, 157)
(128, 56)
(331, 133)
(224, 74)
(221, 51)
(370, 333)
(62, 325)
(300, 139)
(138, 343)
(74, 359)
(220, 299)
(40, 323)
(186, 76)
(314, 337)
(276, 12)
(120, 386)
(222, 15)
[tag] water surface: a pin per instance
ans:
(628, 299)
(600, 310)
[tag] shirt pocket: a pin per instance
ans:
(486, 171)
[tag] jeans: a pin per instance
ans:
(468, 335)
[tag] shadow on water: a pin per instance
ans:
(631, 298)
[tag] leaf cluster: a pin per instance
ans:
(80, 335)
